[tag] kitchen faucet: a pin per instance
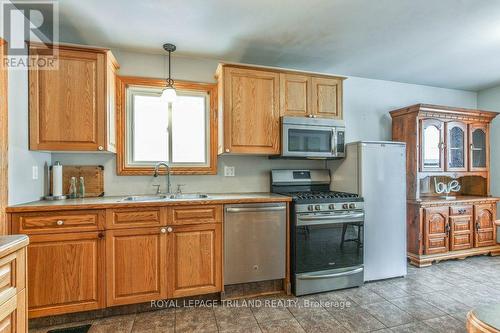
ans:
(157, 166)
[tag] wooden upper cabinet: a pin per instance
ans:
(251, 111)
(72, 105)
(326, 97)
(436, 230)
(431, 145)
(295, 95)
(479, 147)
(252, 99)
(484, 223)
(456, 146)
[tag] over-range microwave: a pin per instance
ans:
(312, 138)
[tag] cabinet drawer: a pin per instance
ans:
(195, 214)
(135, 217)
(461, 210)
(12, 274)
(70, 221)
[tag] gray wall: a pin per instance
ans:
(366, 103)
(22, 187)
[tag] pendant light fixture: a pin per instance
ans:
(169, 94)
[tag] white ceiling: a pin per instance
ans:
(445, 43)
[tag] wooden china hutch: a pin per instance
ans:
(445, 144)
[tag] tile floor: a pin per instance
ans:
(432, 299)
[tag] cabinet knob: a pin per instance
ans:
(170, 229)
(100, 148)
(227, 150)
(60, 222)
(310, 116)
(163, 230)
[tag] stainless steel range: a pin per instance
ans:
(326, 232)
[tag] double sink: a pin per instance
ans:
(160, 197)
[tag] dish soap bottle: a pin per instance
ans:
(72, 188)
(81, 189)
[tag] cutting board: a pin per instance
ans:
(93, 176)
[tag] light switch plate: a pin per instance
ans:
(228, 171)
(34, 172)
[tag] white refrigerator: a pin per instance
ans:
(376, 170)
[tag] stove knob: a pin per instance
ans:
(310, 208)
(345, 206)
(331, 206)
(352, 205)
(317, 207)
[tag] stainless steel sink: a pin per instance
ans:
(137, 198)
(189, 196)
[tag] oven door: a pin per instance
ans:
(326, 241)
(308, 141)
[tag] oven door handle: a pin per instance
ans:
(326, 276)
(334, 219)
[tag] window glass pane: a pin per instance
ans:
(150, 129)
(189, 129)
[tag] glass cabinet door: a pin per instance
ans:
(478, 135)
(431, 145)
(456, 146)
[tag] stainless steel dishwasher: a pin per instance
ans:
(254, 242)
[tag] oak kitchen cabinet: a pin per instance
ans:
(310, 96)
(444, 144)
(252, 99)
(89, 259)
(72, 106)
(66, 257)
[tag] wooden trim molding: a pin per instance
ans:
(4, 136)
(123, 82)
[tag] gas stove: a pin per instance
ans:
(326, 231)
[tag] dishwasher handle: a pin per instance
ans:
(254, 209)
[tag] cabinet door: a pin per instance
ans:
(65, 273)
(295, 95)
(251, 116)
(326, 97)
(461, 237)
(485, 233)
(196, 260)
(436, 227)
(13, 317)
(67, 108)
(456, 146)
(111, 105)
(431, 145)
(136, 261)
(479, 147)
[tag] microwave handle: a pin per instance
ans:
(334, 142)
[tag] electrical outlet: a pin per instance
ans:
(228, 171)
(34, 172)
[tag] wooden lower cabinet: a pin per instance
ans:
(436, 230)
(461, 237)
(195, 260)
(486, 231)
(137, 265)
(65, 273)
(13, 314)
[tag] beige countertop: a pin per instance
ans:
(118, 201)
(12, 243)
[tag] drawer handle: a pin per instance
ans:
(60, 222)
(163, 230)
(170, 229)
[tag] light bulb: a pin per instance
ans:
(169, 94)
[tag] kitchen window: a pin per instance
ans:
(181, 133)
